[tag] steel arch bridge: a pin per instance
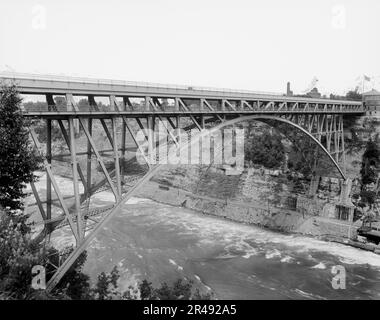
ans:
(177, 107)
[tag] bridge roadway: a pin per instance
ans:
(208, 101)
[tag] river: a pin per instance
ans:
(160, 243)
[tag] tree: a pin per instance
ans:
(265, 149)
(354, 95)
(18, 255)
(350, 95)
(106, 287)
(303, 155)
(179, 290)
(370, 163)
(18, 160)
(367, 198)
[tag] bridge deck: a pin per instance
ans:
(140, 114)
(37, 84)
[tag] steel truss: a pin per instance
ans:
(323, 119)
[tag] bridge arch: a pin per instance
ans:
(274, 118)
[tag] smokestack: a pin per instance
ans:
(288, 91)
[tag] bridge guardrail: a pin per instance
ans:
(99, 82)
(38, 83)
(106, 109)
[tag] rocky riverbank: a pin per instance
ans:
(274, 218)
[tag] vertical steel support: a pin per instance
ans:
(91, 141)
(69, 107)
(67, 139)
(51, 103)
(75, 178)
(336, 143)
(89, 159)
(55, 184)
(329, 127)
(150, 135)
(123, 141)
(116, 155)
(118, 170)
(342, 142)
(99, 158)
(320, 122)
(48, 158)
(202, 121)
(147, 103)
(131, 132)
(176, 104)
(338, 138)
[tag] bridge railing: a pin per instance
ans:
(39, 83)
(107, 109)
(138, 84)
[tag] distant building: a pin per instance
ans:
(313, 93)
(372, 102)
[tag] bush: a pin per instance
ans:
(18, 255)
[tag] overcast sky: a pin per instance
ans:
(254, 45)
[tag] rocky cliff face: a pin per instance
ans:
(358, 130)
(268, 191)
(259, 185)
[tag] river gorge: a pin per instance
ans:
(158, 242)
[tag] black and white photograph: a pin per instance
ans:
(201, 151)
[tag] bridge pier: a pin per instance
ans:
(314, 184)
(345, 190)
